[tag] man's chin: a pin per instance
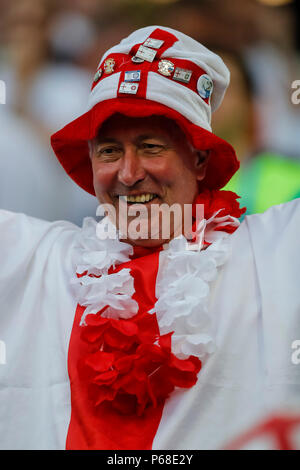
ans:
(154, 236)
(145, 242)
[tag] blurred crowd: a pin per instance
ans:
(49, 51)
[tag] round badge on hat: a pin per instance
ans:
(166, 67)
(205, 86)
(137, 60)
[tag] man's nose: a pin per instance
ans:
(131, 170)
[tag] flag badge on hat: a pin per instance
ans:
(133, 76)
(153, 43)
(146, 53)
(182, 75)
(130, 88)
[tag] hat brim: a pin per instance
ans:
(70, 144)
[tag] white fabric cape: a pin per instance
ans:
(254, 305)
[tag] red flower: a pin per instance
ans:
(133, 367)
(215, 200)
(118, 333)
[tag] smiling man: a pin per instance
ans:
(146, 161)
(140, 339)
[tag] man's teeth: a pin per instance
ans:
(140, 198)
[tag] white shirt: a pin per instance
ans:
(255, 309)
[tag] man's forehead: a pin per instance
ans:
(144, 127)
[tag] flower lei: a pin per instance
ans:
(137, 357)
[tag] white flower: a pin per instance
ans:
(114, 290)
(182, 288)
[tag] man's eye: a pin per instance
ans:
(107, 153)
(151, 147)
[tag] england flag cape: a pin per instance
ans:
(106, 347)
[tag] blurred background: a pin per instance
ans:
(50, 49)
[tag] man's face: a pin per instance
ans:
(142, 162)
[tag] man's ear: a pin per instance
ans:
(201, 161)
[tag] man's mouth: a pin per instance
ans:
(140, 198)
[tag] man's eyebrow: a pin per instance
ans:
(106, 140)
(150, 136)
(112, 140)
